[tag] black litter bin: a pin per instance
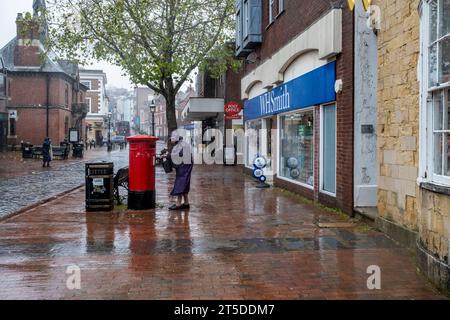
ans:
(78, 150)
(99, 186)
(27, 151)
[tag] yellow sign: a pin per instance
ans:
(352, 3)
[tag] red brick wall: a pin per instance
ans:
(297, 17)
(27, 56)
(31, 125)
(95, 101)
(31, 90)
(344, 114)
(28, 91)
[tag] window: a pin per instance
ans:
(439, 44)
(87, 84)
(253, 140)
(328, 146)
(3, 92)
(89, 104)
(280, 6)
(296, 161)
(246, 19)
(271, 11)
(438, 76)
(66, 96)
(12, 127)
(441, 136)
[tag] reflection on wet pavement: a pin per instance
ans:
(236, 242)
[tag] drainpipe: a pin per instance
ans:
(47, 116)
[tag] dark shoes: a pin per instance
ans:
(182, 207)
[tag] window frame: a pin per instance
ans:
(239, 28)
(84, 82)
(271, 13)
(279, 136)
(439, 40)
(429, 92)
(245, 19)
(89, 104)
(281, 6)
(322, 153)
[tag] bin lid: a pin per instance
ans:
(142, 138)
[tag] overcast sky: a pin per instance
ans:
(8, 14)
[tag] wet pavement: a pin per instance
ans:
(236, 242)
(25, 182)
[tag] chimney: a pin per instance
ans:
(27, 52)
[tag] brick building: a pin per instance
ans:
(302, 59)
(45, 97)
(98, 105)
(414, 130)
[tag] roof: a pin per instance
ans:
(50, 64)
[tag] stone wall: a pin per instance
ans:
(407, 212)
(398, 114)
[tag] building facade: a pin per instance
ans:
(301, 62)
(45, 95)
(97, 101)
(3, 103)
(414, 130)
(142, 118)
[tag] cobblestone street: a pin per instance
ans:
(236, 242)
(25, 183)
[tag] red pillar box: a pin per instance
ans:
(141, 194)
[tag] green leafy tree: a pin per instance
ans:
(158, 43)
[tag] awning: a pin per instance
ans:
(198, 109)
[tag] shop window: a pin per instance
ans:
(328, 181)
(253, 132)
(297, 147)
(438, 111)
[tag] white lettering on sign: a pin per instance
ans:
(269, 103)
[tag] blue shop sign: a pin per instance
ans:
(313, 88)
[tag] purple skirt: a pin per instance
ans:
(182, 180)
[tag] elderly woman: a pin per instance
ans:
(181, 157)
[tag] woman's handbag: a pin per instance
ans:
(167, 165)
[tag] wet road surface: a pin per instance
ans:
(23, 190)
(236, 242)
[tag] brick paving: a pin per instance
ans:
(236, 242)
(25, 182)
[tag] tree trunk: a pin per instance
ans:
(170, 113)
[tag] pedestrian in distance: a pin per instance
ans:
(47, 152)
(181, 158)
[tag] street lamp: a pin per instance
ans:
(109, 131)
(152, 111)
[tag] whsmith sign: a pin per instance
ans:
(313, 88)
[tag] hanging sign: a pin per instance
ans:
(232, 111)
